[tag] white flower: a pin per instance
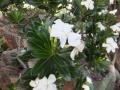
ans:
(115, 27)
(111, 1)
(89, 80)
(100, 26)
(110, 45)
(28, 6)
(48, 84)
(113, 12)
(103, 12)
(63, 31)
(86, 87)
(77, 49)
(89, 4)
(35, 84)
(69, 7)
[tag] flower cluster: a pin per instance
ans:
(113, 12)
(86, 85)
(44, 83)
(63, 31)
(110, 44)
(89, 4)
(28, 6)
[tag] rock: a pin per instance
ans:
(7, 75)
(6, 56)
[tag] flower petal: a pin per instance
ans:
(110, 40)
(114, 45)
(55, 31)
(37, 80)
(58, 21)
(73, 53)
(62, 40)
(86, 87)
(91, 6)
(52, 87)
(89, 80)
(43, 81)
(67, 28)
(80, 47)
(51, 79)
(43, 88)
(32, 83)
(111, 1)
(104, 45)
(74, 39)
(85, 3)
(37, 88)
(108, 49)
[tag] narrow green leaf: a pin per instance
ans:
(44, 35)
(40, 66)
(64, 72)
(62, 69)
(41, 53)
(58, 60)
(26, 55)
(35, 43)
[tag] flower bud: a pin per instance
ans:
(55, 40)
(49, 29)
(51, 39)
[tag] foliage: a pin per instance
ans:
(53, 59)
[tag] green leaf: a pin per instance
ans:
(41, 53)
(73, 72)
(62, 68)
(4, 4)
(26, 55)
(44, 35)
(1, 41)
(47, 46)
(65, 53)
(15, 16)
(58, 60)
(40, 66)
(35, 43)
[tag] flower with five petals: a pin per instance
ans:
(48, 84)
(110, 45)
(63, 31)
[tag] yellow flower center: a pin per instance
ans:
(47, 86)
(66, 35)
